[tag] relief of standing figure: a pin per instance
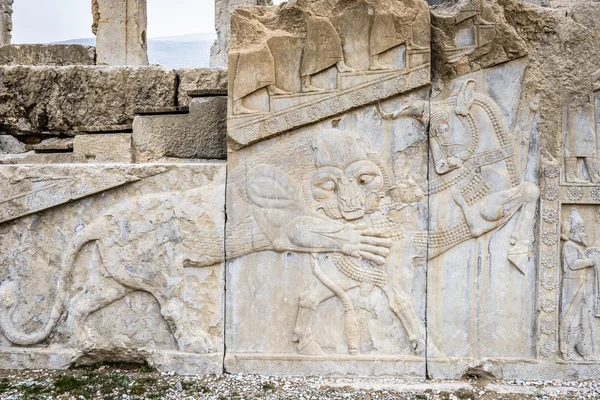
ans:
(577, 291)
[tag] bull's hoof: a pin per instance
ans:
(311, 349)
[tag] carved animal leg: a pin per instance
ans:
(402, 307)
(303, 334)
(351, 327)
(188, 340)
(102, 293)
(521, 237)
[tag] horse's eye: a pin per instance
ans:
(365, 179)
(327, 185)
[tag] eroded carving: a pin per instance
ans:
(143, 243)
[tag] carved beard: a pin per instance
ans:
(579, 239)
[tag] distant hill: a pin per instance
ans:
(185, 51)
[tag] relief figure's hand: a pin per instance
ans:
(370, 244)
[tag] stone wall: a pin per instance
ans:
(54, 55)
(410, 191)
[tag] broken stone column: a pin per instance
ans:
(120, 29)
(223, 10)
(6, 10)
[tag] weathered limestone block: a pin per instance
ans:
(103, 148)
(200, 134)
(120, 27)
(469, 35)
(6, 11)
(47, 54)
(112, 262)
(59, 99)
(223, 10)
(326, 259)
(199, 79)
(10, 145)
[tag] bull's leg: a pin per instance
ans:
(521, 238)
(497, 209)
(351, 327)
(402, 307)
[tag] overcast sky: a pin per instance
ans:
(44, 21)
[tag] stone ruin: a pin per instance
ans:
(373, 188)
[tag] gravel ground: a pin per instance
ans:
(123, 382)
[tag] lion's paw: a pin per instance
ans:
(197, 343)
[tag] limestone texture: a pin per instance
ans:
(324, 277)
(410, 192)
(60, 99)
(199, 79)
(6, 11)
(50, 54)
(200, 134)
(223, 10)
(120, 27)
(113, 263)
(103, 148)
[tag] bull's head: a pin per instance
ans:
(448, 137)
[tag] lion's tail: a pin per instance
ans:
(9, 290)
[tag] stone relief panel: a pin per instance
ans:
(326, 202)
(135, 257)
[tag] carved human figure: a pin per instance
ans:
(253, 70)
(322, 49)
(332, 216)
(137, 254)
(384, 36)
(577, 291)
(581, 144)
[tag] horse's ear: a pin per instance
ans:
(465, 97)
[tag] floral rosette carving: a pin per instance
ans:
(551, 172)
(575, 193)
(550, 215)
(358, 98)
(549, 260)
(548, 349)
(380, 91)
(423, 76)
(550, 237)
(550, 193)
(250, 132)
(595, 194)
(549, 281)
(548, 304)
(547, 327)
(293, 118)
(314, 112)
(272, 125)
(336, 105)
(400, 83)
